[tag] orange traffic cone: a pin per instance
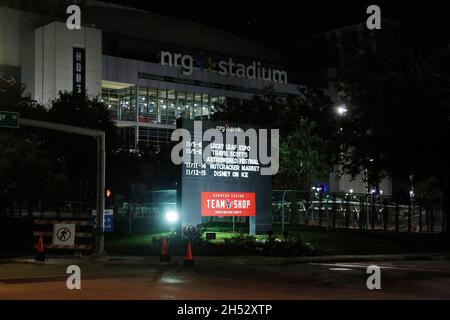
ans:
(164, 257)
(188, 261)
(40, 250)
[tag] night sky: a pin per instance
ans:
(276, 22)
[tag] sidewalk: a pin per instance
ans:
(234, 260)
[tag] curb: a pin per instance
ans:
(366, 258)
(238, 260)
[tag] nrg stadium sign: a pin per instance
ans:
(255, 70)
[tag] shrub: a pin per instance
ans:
(241, 244)
(193, 233)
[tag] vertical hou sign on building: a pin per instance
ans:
(79, 70)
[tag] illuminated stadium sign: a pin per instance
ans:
(79, 70)
(255, 70)
(222, 176)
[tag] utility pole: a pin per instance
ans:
(99, 247)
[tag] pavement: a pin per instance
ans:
(417, 276)
(127, 260)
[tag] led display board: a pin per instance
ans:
(223, 178)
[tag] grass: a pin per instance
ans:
(221, 235)
(334, 243)
(139, 240)
(325, 242)
(357, 242)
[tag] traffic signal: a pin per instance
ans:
(108, 198)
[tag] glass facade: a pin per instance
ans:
(158, 106)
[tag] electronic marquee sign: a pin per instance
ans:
(223, 176)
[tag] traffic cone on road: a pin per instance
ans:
(164, 257)
(41, 255)
(188, 261)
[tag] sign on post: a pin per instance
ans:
(64, 234)
(108, 220)
(9, 119)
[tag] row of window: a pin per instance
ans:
(130, 137)
(155, 105)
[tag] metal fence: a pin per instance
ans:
(146, 211)
(356, 211)
(64, 209)
(289, 207)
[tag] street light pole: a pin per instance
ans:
(99, 248)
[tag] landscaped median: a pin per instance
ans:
(300, 242)
(225, 244)
(304, 242)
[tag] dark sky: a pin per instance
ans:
(274, 22)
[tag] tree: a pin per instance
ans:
(303, 157)
(76, 155)
(149, 167)
(44, 166)
(26, 174)
(398, 96)
(13, 98)
(307, 132)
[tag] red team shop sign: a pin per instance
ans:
(228, 204)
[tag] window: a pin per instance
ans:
(165, 106)
(110, 98)
(205, 106)
(152, 114)
(171, 101)
(143, 106)
(214, 104)
(162, 106)
(189, 105)
(180, 111)
(197, 106)
(127, 103)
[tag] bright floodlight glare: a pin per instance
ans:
(341, 110)
(171, 216)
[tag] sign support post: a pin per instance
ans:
(99, 248)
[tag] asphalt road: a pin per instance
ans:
(219, 279)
